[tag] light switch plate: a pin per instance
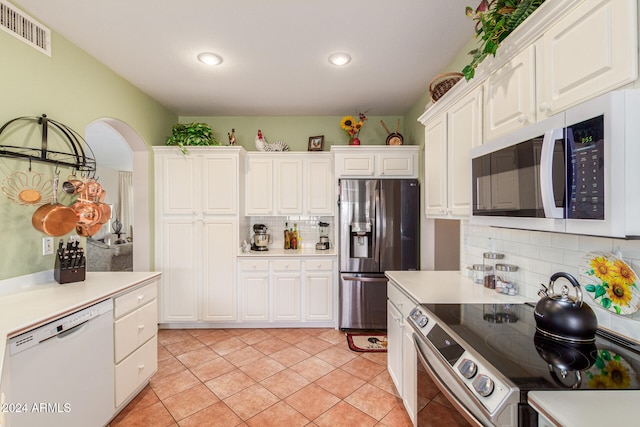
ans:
(47, 246)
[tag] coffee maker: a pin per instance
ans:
(261, 238)
(323, 244)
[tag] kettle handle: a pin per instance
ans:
(572, 280)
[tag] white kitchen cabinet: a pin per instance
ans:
(376, 161)
(394, 345)
(197, 232)
(219, 293)
(510, 97)
(285, 292)
(289, 184)
(590, 51)
(135, 340)
(449, 138)
(409, 373)
(318, 290)
(254, 285)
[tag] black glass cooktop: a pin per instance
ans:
(505, 335)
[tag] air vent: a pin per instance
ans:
(25, 28)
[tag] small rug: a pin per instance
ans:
(367, 341)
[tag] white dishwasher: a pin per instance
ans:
(62, 373)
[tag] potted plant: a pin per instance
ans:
(191, 134)
(496, 19)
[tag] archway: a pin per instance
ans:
(141, 188)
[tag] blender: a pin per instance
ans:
(323, 244)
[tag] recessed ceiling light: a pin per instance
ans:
(339, 58)
(209, 58)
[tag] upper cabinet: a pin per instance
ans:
(590, 51)
(379, 161)
(289, 184)
(449, 139)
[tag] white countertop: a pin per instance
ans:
(281, 252)
(586, 407)
(448, 287)
(38, 304)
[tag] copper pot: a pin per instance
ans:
(88, 230)
(54, 219)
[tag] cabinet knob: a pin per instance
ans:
(140, 298)
(522, 118)
(319, 266)
(140, 327)
(545, 107)
(141, 367)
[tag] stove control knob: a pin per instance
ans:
(468, 368)
(422, 321)
(415, 313)
(483, 385)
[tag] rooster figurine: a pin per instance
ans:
(263, 145)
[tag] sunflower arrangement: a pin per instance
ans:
(352, 127)
(617, 283)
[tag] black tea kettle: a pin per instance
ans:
(562, 317)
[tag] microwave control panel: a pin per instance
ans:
(586, 165)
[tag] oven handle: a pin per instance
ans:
(443, 387)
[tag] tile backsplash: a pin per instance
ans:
(307, 228)
(540, 254)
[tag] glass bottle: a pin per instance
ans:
(489, 259)
(287, 241)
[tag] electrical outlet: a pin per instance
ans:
(47, 246)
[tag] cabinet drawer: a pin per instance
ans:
(402, 302)
(134, 329)
(286, 265)
(134, 299)
(254, 265)
(135, 370)
(318, 264)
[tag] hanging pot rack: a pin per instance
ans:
(75, 157)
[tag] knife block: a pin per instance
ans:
(69, 274)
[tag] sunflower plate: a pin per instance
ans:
(610, 282)
(611, 371)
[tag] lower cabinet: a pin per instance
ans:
(135, 340)
(287, 290)
(401, 354)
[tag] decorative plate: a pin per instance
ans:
(610, 282)
(611, 371)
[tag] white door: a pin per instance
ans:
(255, 297)
(259, 186)
(180, 186)
(289, 186)
(180, 264)
(593, 50)
(219, 291)
(409, 372)
(394, 345)
(318, 296)
(435, 167)
(509, 95)
(464, 132)
(220, 184)
(286, 297)
(319, 186)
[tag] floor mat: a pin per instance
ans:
(367, 341)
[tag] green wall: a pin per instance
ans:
(72, 88)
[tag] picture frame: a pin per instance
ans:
(316, 143)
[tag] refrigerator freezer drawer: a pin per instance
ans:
(363, 301)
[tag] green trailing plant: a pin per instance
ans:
(495, 20)
(193, 133)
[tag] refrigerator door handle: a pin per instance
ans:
(383, 226)
(364, 279)
(378, 216)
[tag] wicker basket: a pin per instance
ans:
(442, 83)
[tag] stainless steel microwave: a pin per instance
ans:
(576, 172)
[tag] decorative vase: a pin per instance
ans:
(354, 141)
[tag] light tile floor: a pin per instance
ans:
(264, 377)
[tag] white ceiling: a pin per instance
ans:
(275, 51)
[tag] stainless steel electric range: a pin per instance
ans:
(486, 357)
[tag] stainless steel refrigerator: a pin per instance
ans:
(379, 231)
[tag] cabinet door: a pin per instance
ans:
(177, 174)
(589, 52)
(435, 167)
(318, 296)
(409, 373)
(394, 345)
(289, 186)
(219, 294)
(509, 96)
(319, 188)
(400, 164)
(259, 186)
(285, 303)
(220, 184)
(464, 132)
(255, 297)
(179, 265)
(355, 164)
